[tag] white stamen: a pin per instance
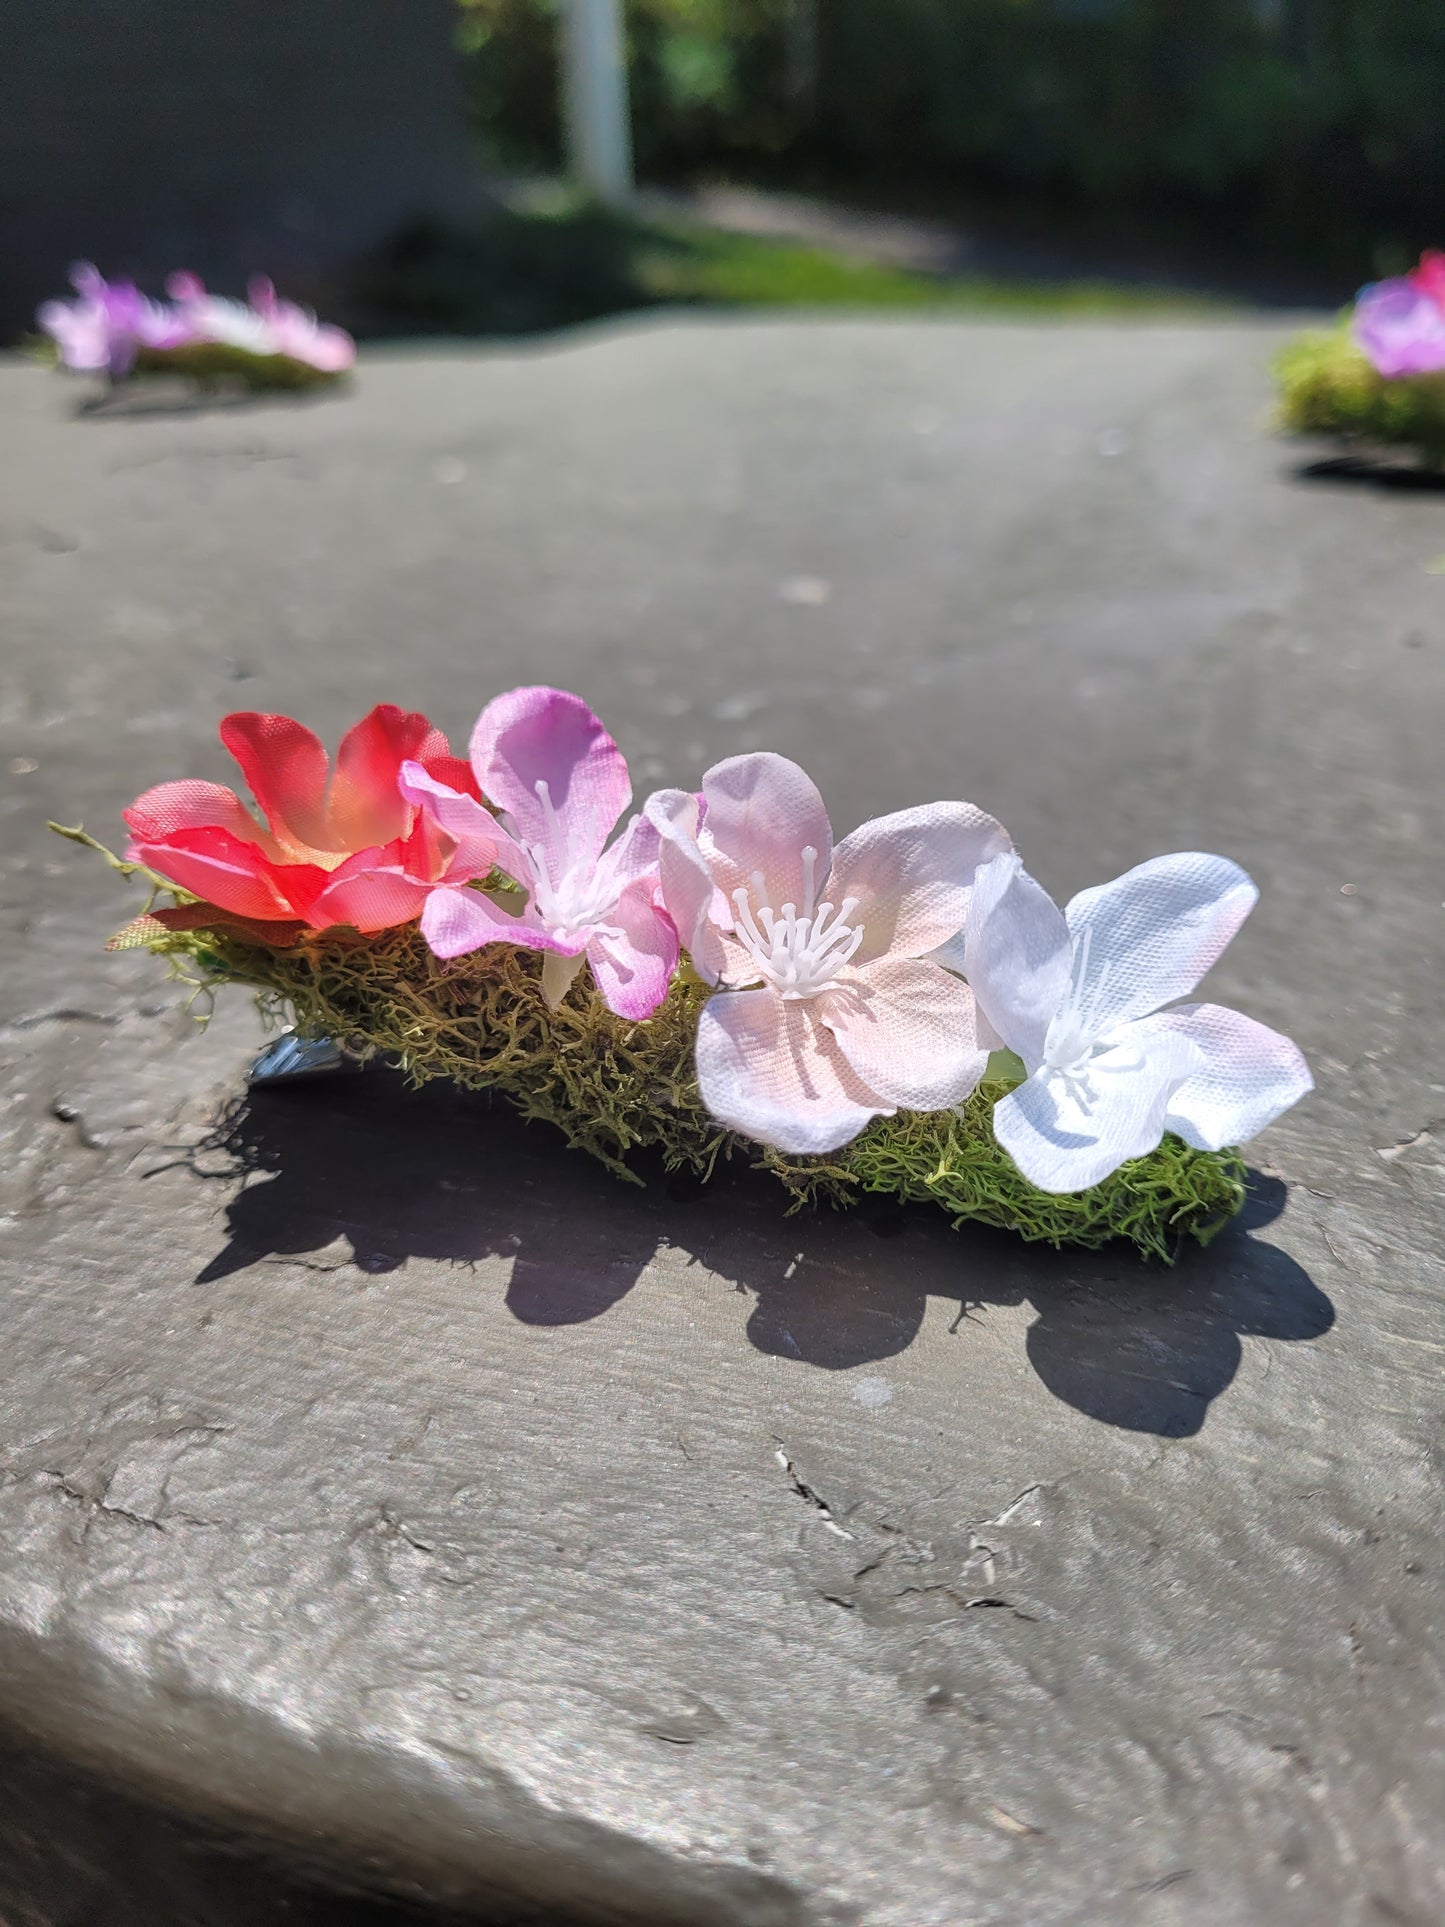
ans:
(573, 905)
(797, 953)
(1074, 1039)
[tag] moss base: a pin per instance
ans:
(611, 1086)
(1328, 387)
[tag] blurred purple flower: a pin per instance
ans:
(108, 324)
(1400, 326)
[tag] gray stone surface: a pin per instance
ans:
(258, 136)
(392, 1484)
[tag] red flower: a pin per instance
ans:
(342, 846)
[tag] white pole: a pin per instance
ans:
(594, 99)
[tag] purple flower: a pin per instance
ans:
(108, 324)
(545, 760)
(1401, 328)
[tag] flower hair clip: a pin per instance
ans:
(113, 330)
(904, 1012)
(1377, 379)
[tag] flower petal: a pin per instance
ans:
(691, 897)
(1152, 933)
(545, 736)
(364, 806)
(761, 813)
(770, 1070)
(633, 968)
(634, 855)
(285, 768)
(1017, 955)
(191, 804)
(221, 868)
(372, 890)
(1400, 328)
(1064, 1137)
(908, 1029)
(456, 922)
(913, 873)
(1250, 1074)
(481, 842)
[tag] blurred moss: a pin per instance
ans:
(1328, 387)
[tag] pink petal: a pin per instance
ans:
(1153, 932)
(545, 736)
(1017, 954)
(456, 922)
(372, 890)
(364, 805)
(908, 1029)
(634, 855)
(632, 971)
(192, 804)
(1248, 1076)
(768, 1069)
(1065, 1137)
(688, 891)
(762, 811)
(286, 769)
(912, 873)
(220, 868)
(481, 842)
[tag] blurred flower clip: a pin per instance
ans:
(112, 329)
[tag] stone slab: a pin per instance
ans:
(388, 1484)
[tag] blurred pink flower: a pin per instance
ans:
(544, 760)
(104, 329)
(211, 317)
(1429, 277)
(297, 333)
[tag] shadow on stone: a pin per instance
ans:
(164, 397)
(1361, 472)
(443, 1174)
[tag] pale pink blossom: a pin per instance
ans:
(544, 760)
(296, 333)
(213, 318)
(1077, 995)
(830, 1012)
(267, 326)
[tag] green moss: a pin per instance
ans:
(1328, 387)
(212, 364)
(613, 1087)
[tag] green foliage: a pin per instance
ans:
(557, 265)
(1328, 387)
(612, 1087)
(1309, 126)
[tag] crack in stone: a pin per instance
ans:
(93, 1505)
(807, 1492)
